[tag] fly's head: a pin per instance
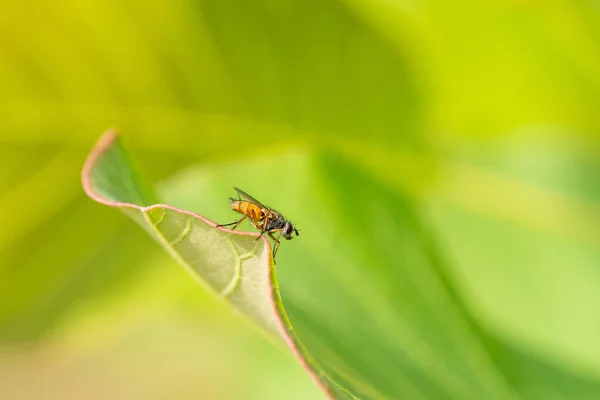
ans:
(288, 229)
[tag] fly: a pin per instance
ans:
(264, 218)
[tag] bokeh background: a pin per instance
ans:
(487, 113)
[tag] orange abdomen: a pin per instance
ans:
(252, 211)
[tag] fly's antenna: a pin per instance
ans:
(297, 230)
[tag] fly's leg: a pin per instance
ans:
(276, 239)
(236, 223)
(262, 226)
(239, 222)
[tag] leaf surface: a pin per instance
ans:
(237, 266)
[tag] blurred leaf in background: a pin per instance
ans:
(486, 114)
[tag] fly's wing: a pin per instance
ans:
(277, 220)
(275, 213)
(251, 199)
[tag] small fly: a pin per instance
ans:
(264, 218)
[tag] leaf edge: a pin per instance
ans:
(316, 373)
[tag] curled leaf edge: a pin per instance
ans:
(286, 330)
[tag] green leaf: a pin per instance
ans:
(236, 266)
(372, 313)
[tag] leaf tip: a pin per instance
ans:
(106, 141)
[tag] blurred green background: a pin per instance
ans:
(487, 114)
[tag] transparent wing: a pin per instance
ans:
(251, 199)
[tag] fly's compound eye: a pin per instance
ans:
(288, 228)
